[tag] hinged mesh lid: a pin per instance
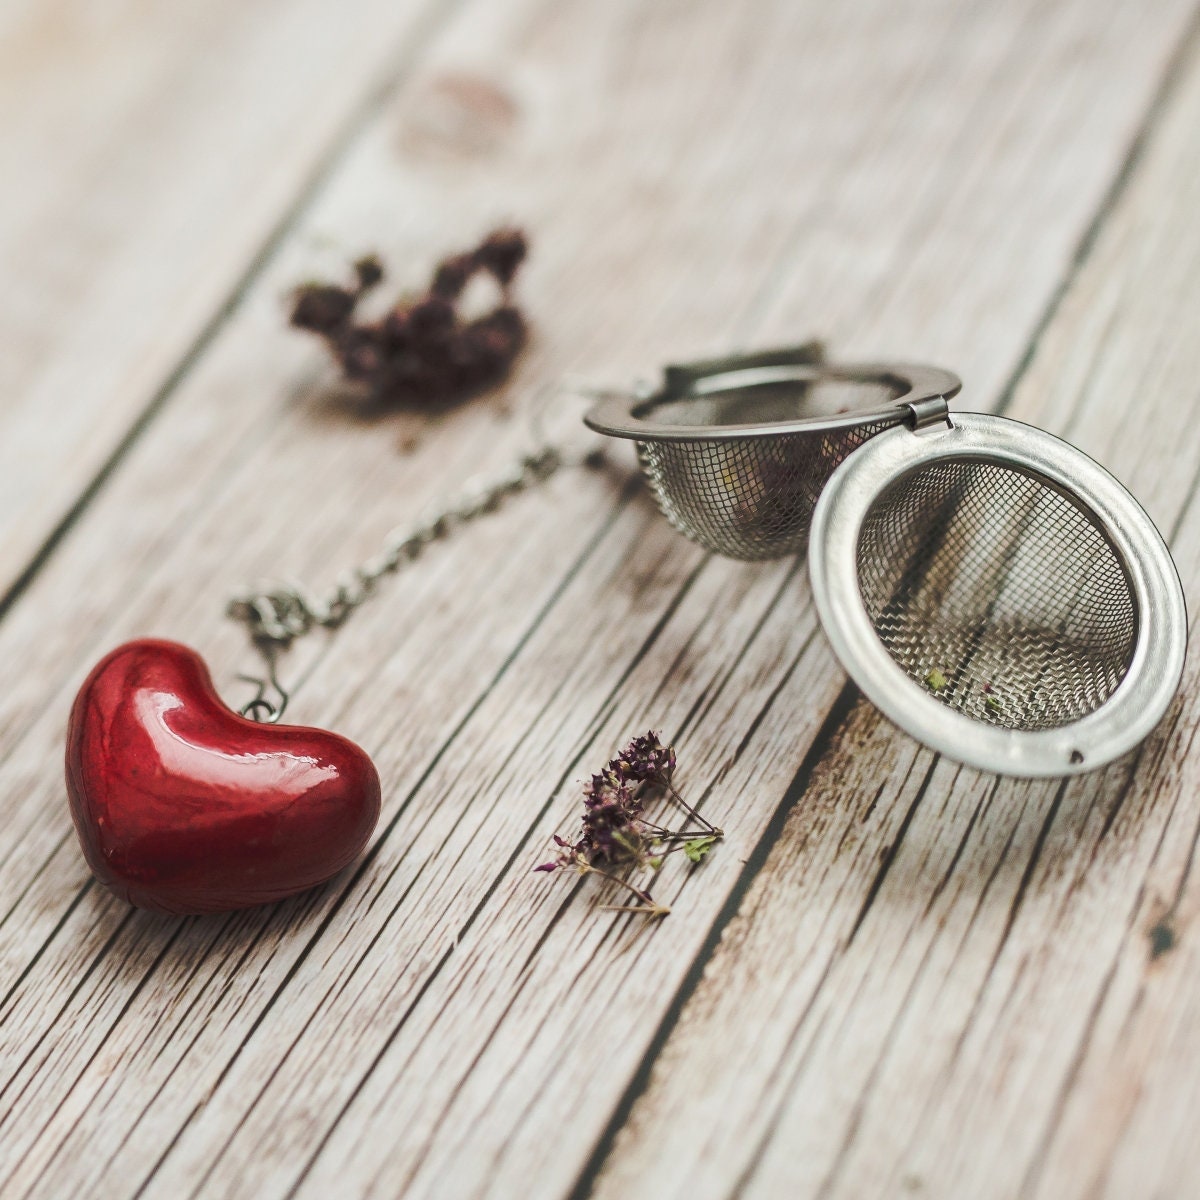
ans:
(999, 595)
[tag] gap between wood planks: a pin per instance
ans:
(596, 722)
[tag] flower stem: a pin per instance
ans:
(691, 812)
(653, 910)
(648, 904)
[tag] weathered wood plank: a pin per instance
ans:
(958, 986)
(149, 154)
(438, 1018)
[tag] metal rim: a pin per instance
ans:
(1156, 666)
(630, 416)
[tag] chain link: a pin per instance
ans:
(275, 616)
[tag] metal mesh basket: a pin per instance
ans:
(752, 498)
(737, 451)
(997, 594)
(989, 587)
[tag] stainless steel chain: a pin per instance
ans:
(276, 615)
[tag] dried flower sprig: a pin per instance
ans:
(423, 353)
(616, 832)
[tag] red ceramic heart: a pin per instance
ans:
(183, 806)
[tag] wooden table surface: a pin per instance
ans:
(897, 977)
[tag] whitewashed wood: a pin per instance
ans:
(442, 1019)
(985, 1013)
(148, 153)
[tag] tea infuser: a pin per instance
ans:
(991, 589)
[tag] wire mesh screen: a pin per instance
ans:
(997, 594)
(751, 498)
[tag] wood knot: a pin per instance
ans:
(460, 115)
(1163, 937)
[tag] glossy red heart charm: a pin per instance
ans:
(183, 806)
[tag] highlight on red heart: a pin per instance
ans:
(184, 806)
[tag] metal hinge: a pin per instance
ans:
(928, 413)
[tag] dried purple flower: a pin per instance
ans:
(423, 353)
(647, 758)
(615, 829)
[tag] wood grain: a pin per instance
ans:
(150, 154)
(438, 1021)
(943, 984)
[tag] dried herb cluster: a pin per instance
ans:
(617, 834)
(423, 352)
